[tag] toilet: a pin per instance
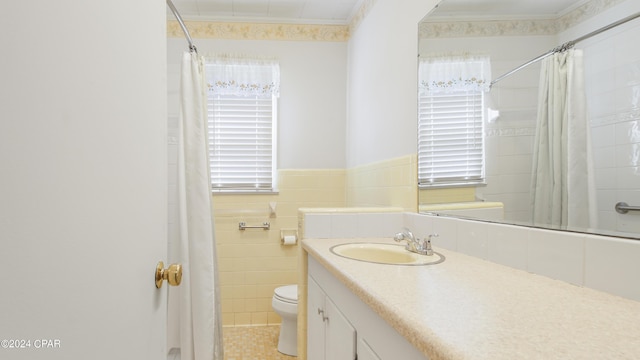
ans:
(285, 304)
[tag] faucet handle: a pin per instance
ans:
(427, 248)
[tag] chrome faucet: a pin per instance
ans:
(422, 247)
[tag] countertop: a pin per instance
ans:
(468, 308)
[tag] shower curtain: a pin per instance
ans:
(200, 315)
(562, 187)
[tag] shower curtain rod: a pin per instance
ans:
(175, 12)
(566, 46)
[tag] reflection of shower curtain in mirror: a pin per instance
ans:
(200, 315)
(562, 187)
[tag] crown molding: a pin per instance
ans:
(584, 12)
(361, 14)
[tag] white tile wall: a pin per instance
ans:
(379, 224)
(472, 238)
(319, 226)
(612, 78)
(346, 225)
(556, 254)
(507, 246)
(352, 224)
(447, 230)
(613, 266)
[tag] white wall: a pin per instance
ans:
(312, 103)
(382, 92)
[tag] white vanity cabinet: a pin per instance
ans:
(330, 335)
(342, 327)
(365, 352)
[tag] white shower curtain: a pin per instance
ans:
(200, 316)
(562, 188)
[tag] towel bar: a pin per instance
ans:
(265, 226)
(623, 208)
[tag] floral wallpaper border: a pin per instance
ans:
(586, 11)
(516, 27)
(287, 32)
(251, 31)
(487, 28)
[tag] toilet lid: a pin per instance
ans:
(287, 293)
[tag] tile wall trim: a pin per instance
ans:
(333, 223)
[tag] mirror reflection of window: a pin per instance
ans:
(451, 119)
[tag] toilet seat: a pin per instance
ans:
(287, 294)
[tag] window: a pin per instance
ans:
(450, 138)
(451, 121)
(242, 112)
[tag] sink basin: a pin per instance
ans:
(385, 254)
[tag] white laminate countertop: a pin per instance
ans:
(468, 308)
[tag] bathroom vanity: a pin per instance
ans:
(340, 325)
(462, 308)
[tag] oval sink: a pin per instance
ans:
(384, 254)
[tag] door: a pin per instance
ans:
(83, 180)
(315, 321)
(365, 352)
(340, 334)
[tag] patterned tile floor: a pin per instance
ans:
(252, 343)
(248, 343)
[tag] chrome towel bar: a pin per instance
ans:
(265, 226)
(623, 208)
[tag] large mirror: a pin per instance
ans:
(511, 33)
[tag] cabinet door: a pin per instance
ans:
(315, 321)
(340, 335)
(365, 352)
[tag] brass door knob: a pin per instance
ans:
(173, 274)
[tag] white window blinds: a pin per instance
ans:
(451, 120)
(242, 113)
(450, 139)
(241, 146)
